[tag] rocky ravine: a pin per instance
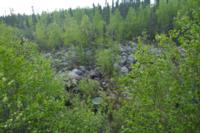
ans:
(60, 62)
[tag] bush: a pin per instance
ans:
(164, 85)
(82, 120)
(31, 99)
(105, 60)
(88, 87)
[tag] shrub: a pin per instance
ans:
(31, 99)
(105, 60)
(89, 87)
(164, 85)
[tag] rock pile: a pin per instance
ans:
(61, 63)
(126, 54)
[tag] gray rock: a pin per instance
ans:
(64, 64)
(97, 100)
(59, 53)
(104, 84)
(122, 49)
(181, 51)
(82, 68)
(129, 49)
(88, 52)
(124, 54)
(47, 55)
(65, 69)
(124, 70)
(94, 74)
(75, 76)
(123, 60)
(129, 43)
(56, 61)
(130, 59)
(134, 44)
(77, 71)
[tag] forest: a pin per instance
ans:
(128, 67)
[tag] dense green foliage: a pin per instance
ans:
(105, 61)
(28, 90)
(164, 83)
(160, 93)
(96, 25)
(95, 28)
(31, 98)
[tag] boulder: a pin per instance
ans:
(94, 74)
(56, 61)
(134, 45)
(130, 59)
(97, 100)
(77, 71)
(124, 54)
(82, 68)
(123, 60)
(129, 49)
(59, 53)
(122, 49)
(75, 74)
(47, 55)
(104, 84)
(182, 51)
(63, 64)
(124, 70)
